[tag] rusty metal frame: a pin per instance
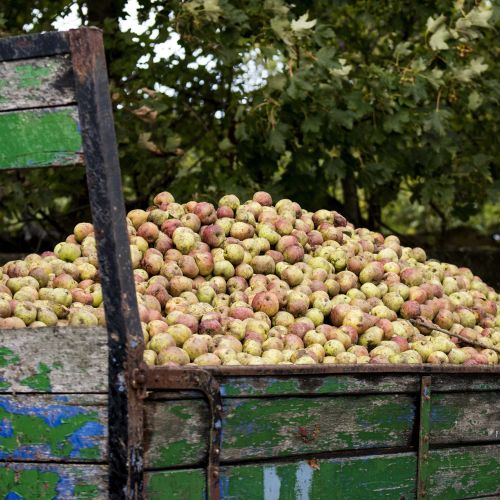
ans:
(424, 435)
(192, 378)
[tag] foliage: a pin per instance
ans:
(334, 104)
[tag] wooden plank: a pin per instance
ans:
(35, 83)
(48, 481)
(467, 472)
(56, 360)
(374, 477)
(465, 417)
(176, 433)
(264, 428)
(176, 485)
(53, 428)
(466, 383)
(33, 45)
(323, 384)
(40, 138)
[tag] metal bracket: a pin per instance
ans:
(161, 378)
(424, 429)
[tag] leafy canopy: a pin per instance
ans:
(343, 104)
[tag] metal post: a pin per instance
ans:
(424, 429)
(108, 216)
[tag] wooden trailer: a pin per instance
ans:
(82, 417)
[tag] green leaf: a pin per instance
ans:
(475, 100)
(302, 23)
(433, 24)
(438, 40)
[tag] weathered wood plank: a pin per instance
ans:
(467, 472)
(375, 476)
(56, 360)
(53, 428)
(40, 138)
(317, 385)
(465, 417)
(264, 428)
(176, 432)
(466, 383)
(34, 83)
(49, 481)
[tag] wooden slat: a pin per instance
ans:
(176, 433)
(53, 428)
(264, 428)
(468, 472)
(40, 138)
(373, 477)
(35, 83)
(38, 45)
(49, 481)
(53, 360)
(324, 384)
(465, 417)
(466, 383)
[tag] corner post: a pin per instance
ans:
(125, 341)
(424, 430)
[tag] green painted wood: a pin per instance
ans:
(465, 383)
(465, 417)
(40, 138)
(317, 385)
(33, 83)
(69, 428)
(373, 477)
(280, 427)
(175, 432)
(468, 472)
(53, 360)
(48, 481)
(176, 485)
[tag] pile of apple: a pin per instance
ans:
(255, 283)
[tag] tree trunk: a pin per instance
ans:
(351, 200)
(99, 10)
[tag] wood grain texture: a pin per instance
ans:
(265, 428)
(53, 360)
(176, 432)
(50, 481)
(36, 83)
(319, 385)
(40, 138)
(69, 428)
(465, 417)
(373, 477)
(468, 472)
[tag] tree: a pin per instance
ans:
(340, 105)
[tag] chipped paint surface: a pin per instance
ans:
(38, 138)
(40, 428)
(373, 477)
(51, 481)
(29, 363)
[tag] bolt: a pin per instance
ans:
(216, 451)
(215, 473)
(426, 438)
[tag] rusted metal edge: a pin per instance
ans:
(297, 370)
(125, 339)
(424, 430)
(29, 46)
(200, 380)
